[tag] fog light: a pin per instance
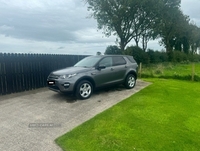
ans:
(66, 85)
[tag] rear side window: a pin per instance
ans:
(130, 58)
(118, 61)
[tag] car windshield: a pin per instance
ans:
(88, 62)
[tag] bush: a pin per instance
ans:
(156, 56)
(113, 50)
(139, 55)
(153, 57)
(194, 58)
(179, 56)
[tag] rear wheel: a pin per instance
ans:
(130, 81)
(84, 90)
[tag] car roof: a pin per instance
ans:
(110, 56)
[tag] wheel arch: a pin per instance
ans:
(132, 72)
(82, 79)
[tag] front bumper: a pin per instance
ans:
(60, 85)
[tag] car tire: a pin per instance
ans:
(130, 81)
(84, 90)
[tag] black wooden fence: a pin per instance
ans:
(23, 72)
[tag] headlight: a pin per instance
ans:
(71, 75)
(67, 76)
(62, 76)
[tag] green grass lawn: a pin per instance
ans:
(173, 71)
(162, 117)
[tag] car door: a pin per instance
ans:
(119, 68)
(105, 75)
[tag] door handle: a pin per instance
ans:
(93, 73)
(111, 69)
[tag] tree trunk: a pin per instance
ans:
(144, 43)
(136, 41)
(168, 46)
(122, 46)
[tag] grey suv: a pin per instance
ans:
(94, 72)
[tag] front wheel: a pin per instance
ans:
(84, 90)
(130, 81)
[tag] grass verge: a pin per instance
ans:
(162, 117)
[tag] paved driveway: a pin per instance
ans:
(31, 121)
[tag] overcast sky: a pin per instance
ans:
(60, 27)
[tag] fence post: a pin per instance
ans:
(193, 71)
(140, 70)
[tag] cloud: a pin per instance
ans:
(191, 8)
(56, 26)
(59, 26)
(46, 21)
(13, 45)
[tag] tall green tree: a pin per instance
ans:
(146, 20)
(180, 40)
(194, 39)
(147, 35)
(121, 17)
(168, 22)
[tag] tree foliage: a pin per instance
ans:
(152, 56)
(113, 50)
(168, 22)
(142, 20)
(194, 38)
(156, 56)
(139, 55)
(124, 18)
(98, 53)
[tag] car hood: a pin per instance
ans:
(70, 70)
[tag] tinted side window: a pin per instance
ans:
(130, 58)
(118, 61)
(107, 62)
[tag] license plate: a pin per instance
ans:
(51, 82)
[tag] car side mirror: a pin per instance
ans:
(101, 67)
